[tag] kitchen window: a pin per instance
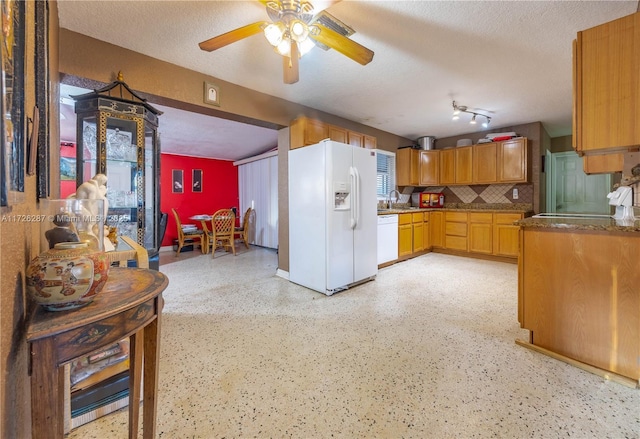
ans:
(386, 173)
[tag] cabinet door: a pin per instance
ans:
(426, 232)
(370, 142)
(506, 235)
(407, 167)
(607, 92)
(418, 237)
(512, 161)
(447, 166)
(315, 131)
(338, 134)
(436, 226)
(429, 170)
(603, 163)
(481, 232)
(464, 165)
(405, 239)
(485, 160)
(355, 139)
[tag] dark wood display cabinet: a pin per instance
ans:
(117, 135)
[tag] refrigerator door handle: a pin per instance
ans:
(353, 173)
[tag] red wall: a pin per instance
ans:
(219, 189)
(67, 187)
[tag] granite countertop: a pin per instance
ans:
(588, 224)
(467, 207)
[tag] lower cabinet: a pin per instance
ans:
(455, 230)
(436, 228)
(417, 224)
(506, 235)
(480, 232)
(405, 235)
(426, 232)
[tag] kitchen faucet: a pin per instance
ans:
(389, 198)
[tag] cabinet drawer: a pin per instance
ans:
(480, 217)
(404, 218)
(417, 217)
(456, 229)
(455, 242)
(507, 218)
(460, 217)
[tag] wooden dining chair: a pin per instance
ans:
(222, 227)
(189, 235)
(248, 224)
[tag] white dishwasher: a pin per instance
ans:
(387, 238)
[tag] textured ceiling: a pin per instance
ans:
(509, 58)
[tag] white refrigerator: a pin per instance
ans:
(332, 216)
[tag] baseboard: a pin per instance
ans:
(166, 248)
(283, 274)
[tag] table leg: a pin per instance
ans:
(135, 377)
(47, 396)
(151, 363)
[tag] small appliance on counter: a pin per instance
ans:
(431, 199)
(622, 198)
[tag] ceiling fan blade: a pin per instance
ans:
(232, 36)
(344, 45)
(290, 65)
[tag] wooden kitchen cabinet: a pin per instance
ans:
(355, 139)
(603, 163)
(587, 313)
(405, 235)
(512, 161)
(455, 230)
(304, 131)
(436, 228)
(447, 166)
(464, 165)
(338, 134)
(407, 167)
(485, 163)
(606, 93)
(370, 142)
(505, 234)
(429, 168)
(417, 225)
(481, 232)
(426, 233)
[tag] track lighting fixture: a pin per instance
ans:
(457, 109)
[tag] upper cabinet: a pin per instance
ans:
(606, 88)
(512, 161)
(487, 163)
(304, 131)
(407, 167)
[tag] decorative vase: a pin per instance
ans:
(67, 276)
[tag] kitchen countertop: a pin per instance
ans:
(589, 224)
(467, 207)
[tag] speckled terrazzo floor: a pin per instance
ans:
(425, 351)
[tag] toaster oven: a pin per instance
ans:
(431, 199)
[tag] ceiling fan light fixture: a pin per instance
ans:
(306, 46)
(298, 30)
(274, 33)
(284, 48)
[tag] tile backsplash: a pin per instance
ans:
(483, 193)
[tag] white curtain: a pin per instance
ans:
(258, 187)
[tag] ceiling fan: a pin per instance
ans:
(293, 31)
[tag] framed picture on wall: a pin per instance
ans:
(67, 168)
(197, 181)
(177, 185)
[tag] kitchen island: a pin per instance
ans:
(579, 295)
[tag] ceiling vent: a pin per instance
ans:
(328, 20)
